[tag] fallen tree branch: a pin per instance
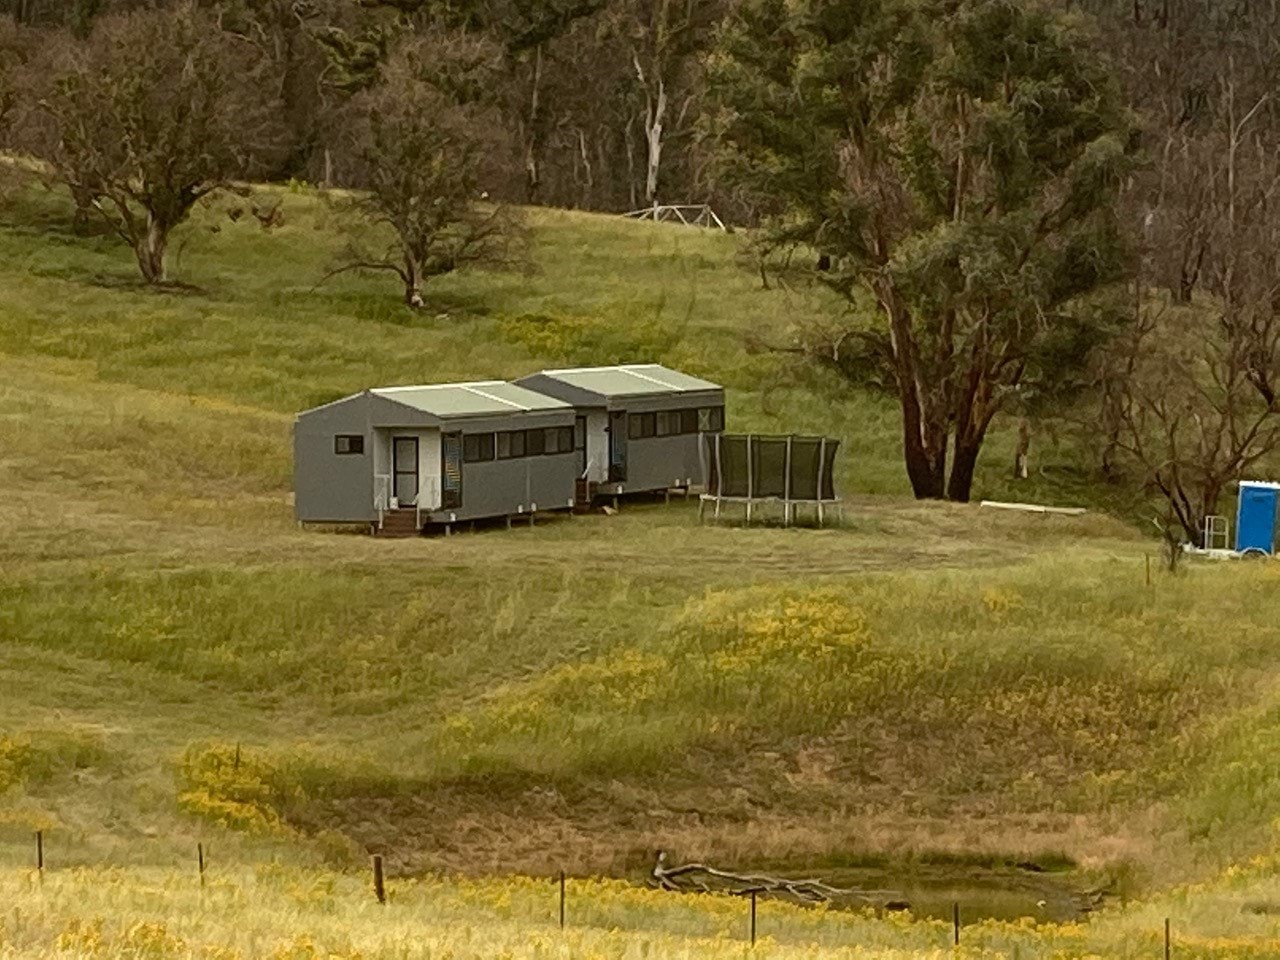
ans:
(701, 878)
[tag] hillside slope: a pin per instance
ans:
(927, 684)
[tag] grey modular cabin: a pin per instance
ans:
(405, 457)
(642, 423)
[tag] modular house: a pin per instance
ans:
(642, 423)
(404, 457)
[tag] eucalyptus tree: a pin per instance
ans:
(151, 113)
(420, 143)
(957, 162)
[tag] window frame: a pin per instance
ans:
(641, 426)
(551, 441)
(514, 438)
(354, 443)
(478, 440)
(535, 442)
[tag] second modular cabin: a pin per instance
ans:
(405, 457)
(642, 423)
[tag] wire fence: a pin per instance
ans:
(750, 924)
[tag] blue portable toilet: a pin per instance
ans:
(1256, 517)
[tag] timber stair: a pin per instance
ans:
(583, 493)
(399, 523)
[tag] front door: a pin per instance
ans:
(580, 442)
(618, 445)
(404, 467)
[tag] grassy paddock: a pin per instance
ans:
(923, 690)
(282, 912)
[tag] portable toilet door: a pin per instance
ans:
(1256, 517)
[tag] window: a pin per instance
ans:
(711, 419)
(580, 433)
(689, 420)
(510, 444)
(641, 426)
(348, 443)
(477, 447)
(535, 442)
(558, 440)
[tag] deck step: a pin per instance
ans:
(399, 523)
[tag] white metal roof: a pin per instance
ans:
(477, 399)
(630, 379)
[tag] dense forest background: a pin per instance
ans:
(604, 102)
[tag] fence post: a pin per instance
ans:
(379, 888)
(562, 897)
(40, 852)
(200, 861)
(1168, 946)
(753, 918)
(955, 922)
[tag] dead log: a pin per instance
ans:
(702, 878)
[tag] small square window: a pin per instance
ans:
(535, 442)
(551, 440)
(566, 439)
(345, 444)
(666, 423)
(689, 420)
(580, 434)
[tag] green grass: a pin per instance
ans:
(285, 912)
(923, 694)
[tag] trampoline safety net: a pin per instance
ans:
(788, 468)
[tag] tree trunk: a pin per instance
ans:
(80, 218)
(655, 115)
(920, 449)
(412, 277)
(654, 119)
(1020, 471)
(589, 187)
(924, 433)
(533, 135)
(150, 250)
(963, 464)
(1208, 506)
(629, 140)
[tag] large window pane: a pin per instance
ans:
(535, 443)
(477, 447)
